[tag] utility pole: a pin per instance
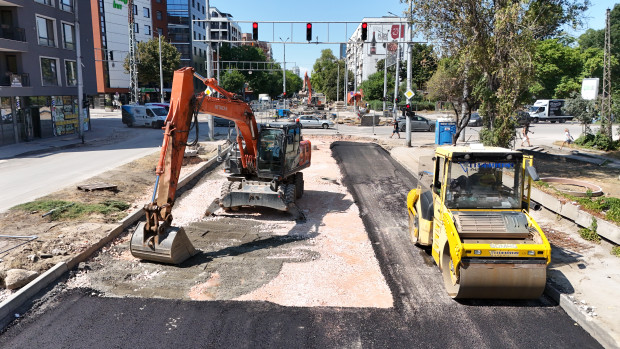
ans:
(133, 68)
(385, 63)
(161, 74)
(80, 83)
(209, 74)
(396, 78)
(606, 97)
(408, 119)
(338, 84)
(284, 72)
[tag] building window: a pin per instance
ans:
(49, 71)
(68, 33)
(147, 12)
(66, 5)
(71, 73)
(135, 10)
(46, 2)
(194, 35)
(193, 3)
(158, 14)
(45, 29)
(136, 27)
(158, 1)
(194, 50)
(147, 29)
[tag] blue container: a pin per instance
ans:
(444, 131)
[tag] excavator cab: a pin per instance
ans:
(279, 150)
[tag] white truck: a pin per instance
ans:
(548, 110)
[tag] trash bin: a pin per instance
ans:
(444, 131)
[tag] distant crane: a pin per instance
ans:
(133, 68)
(606, 98)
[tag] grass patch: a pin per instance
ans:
(608, 205)
(615, 251)
(59, 209)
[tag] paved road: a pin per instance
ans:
(423, 315)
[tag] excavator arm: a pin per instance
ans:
(156, 239)
(230, 107)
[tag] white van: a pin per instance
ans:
(143, 115)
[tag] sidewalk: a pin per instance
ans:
(583, 277)
(43, 145)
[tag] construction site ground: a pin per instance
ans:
(266, 255)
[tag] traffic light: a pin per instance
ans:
(364, 31)
(255, 31)
(309, 31)
(397, 100)
(408, 107)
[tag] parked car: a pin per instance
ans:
(418, 123)
(522, 118)
(309, 121)
(475, 120)
(143, 115)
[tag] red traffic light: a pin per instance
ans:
(255, 31)
(308, 31)
(364, 31)
(408, 106)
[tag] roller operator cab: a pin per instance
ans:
(278, 180)
(472, 207)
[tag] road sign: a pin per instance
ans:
(208, 91)
(409, 94)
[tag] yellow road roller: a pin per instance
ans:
(472, 207)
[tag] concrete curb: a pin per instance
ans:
(8, 306)
(586, 322)
(597, 331)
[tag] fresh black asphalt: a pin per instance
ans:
(423, 315)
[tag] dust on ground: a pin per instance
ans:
(61, 240)
(258, 254)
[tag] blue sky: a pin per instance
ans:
(304, 56)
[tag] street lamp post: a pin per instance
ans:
(284, 72)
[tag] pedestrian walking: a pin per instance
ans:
(524, 132)
(395, 130)
(568, 139)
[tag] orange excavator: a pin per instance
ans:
(263, 166)
(317, 100)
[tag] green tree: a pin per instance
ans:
(423, 64)
(147, 53)
(373, 86)
(583, 110)
(493, 43)
(324, 77)
(232, 81)
(558, 70)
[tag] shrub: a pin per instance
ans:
(615, 251)
(597, 141)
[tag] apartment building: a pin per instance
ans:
(111, 41)
(38, 67)
(383, 36)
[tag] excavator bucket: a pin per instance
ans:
(173, 247)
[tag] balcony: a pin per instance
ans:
(12, 33)
(15, 80)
